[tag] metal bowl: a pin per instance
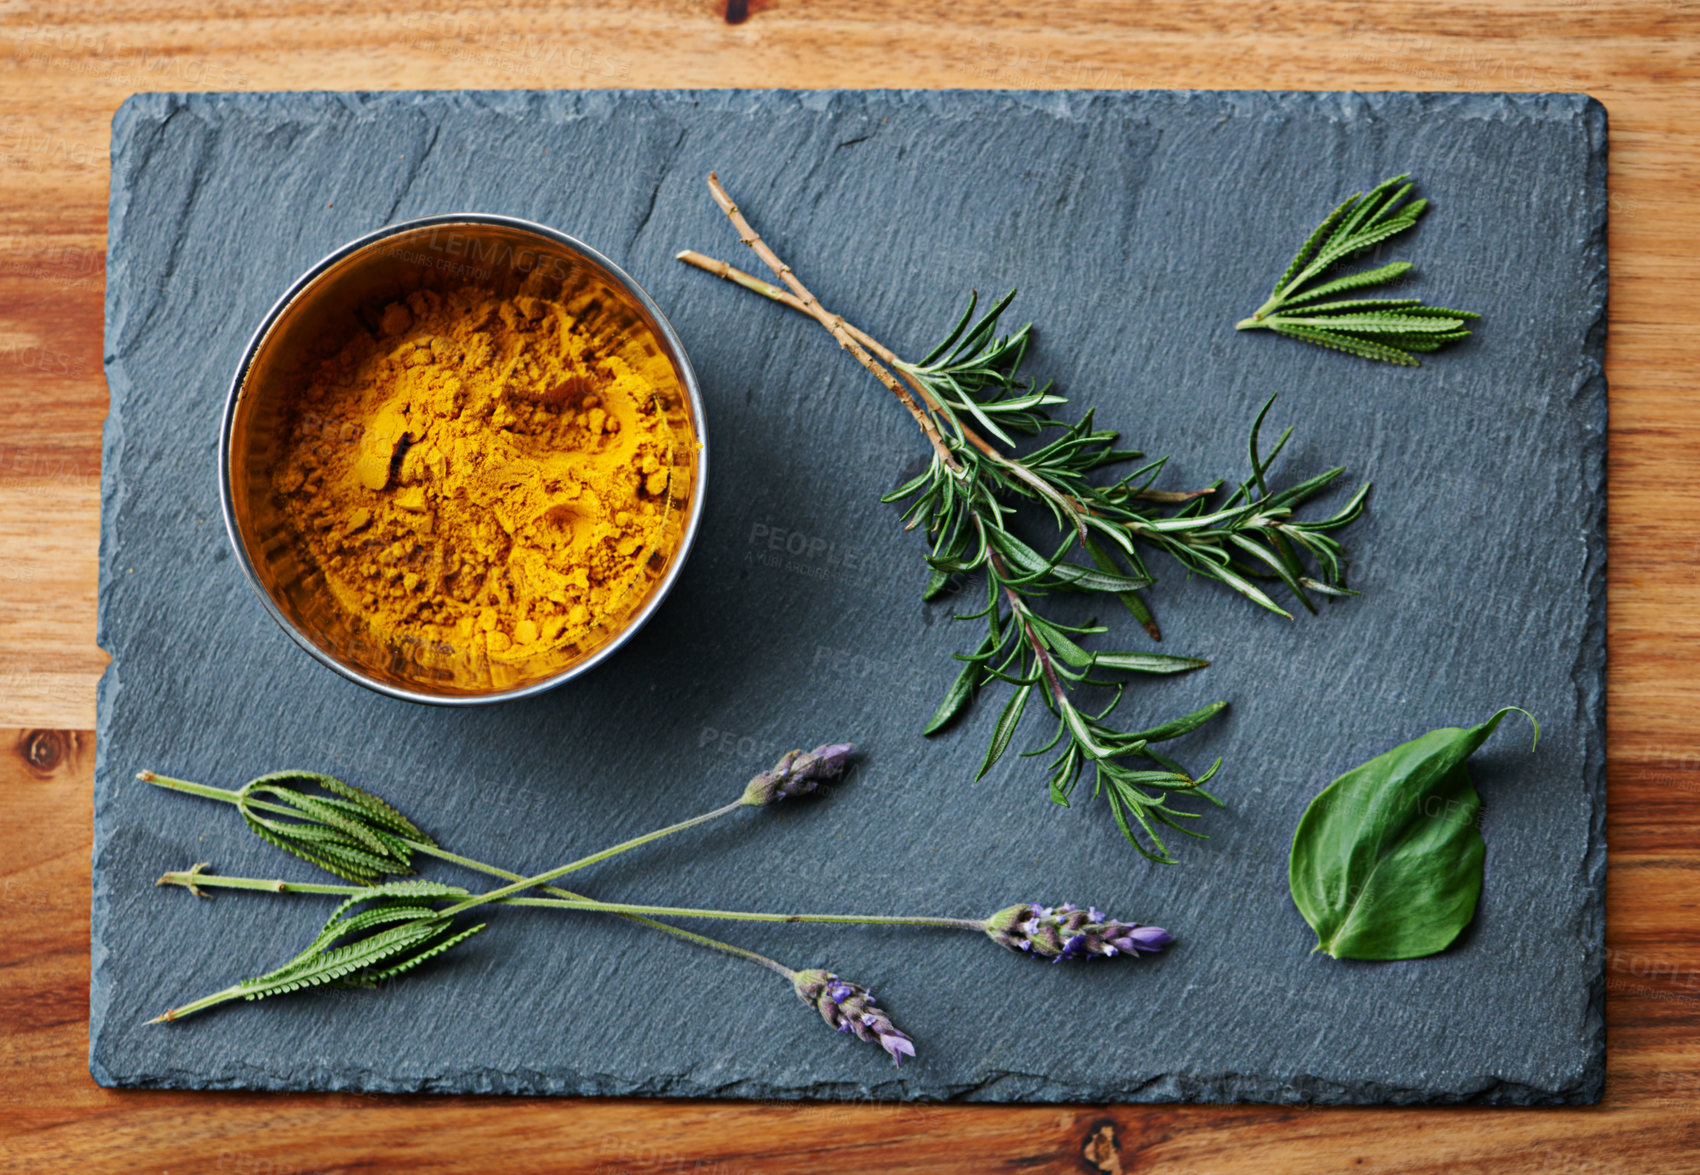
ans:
(316, 316)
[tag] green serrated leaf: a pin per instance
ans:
(1299, 308)
(1347, 343)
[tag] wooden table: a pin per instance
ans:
(65, 67)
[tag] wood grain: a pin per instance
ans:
(64, 68)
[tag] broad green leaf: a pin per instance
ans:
(1387, 861)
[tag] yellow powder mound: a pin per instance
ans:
(475, 477)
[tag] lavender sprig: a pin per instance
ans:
(848, 1007)
(381, 931)
(1063, 932)
(798, 774)
(354, 834)
(1069, 932)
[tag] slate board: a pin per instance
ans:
(1139, 227)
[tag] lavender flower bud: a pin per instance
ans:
(849, 1008)
(797, 774)
(1068, 932)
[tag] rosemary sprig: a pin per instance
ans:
(969, 388)
(1387, 329)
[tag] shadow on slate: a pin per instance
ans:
(1139, 227)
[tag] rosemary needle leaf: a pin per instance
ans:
(1005, 728)
(1147, 662)
(1389, 330)
(1186, 724)
(960, 694)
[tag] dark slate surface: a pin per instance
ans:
(1139, 227)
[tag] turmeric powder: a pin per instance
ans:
(481, 481)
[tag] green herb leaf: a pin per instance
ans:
(1147, 662)
(961, 691)
(1387, 861)
(1185, 724)
(1005, 728)
(1384, 329)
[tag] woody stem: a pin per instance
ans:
(768, 290)
(872, 345)
(834, 324)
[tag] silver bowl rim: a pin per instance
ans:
(677, 353)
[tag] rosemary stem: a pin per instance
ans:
(192, 878)
(749, 281)
(1019, 611)
(905, 370)
(834, 324)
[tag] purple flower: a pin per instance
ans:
(1068, 932)
(849, 1008)
(797, 774)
